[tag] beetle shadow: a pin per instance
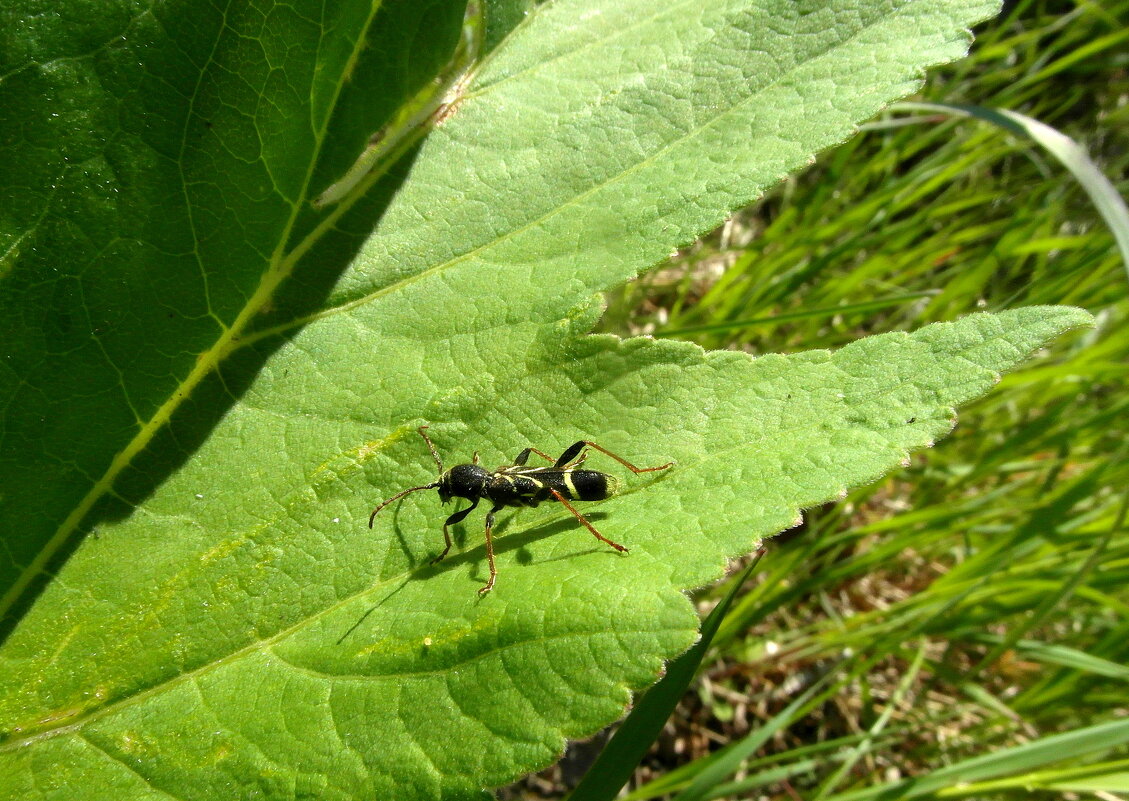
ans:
(458, 540)
(506, 543)
(423, 569)
(521, 541)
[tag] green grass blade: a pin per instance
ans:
(1104, 195)
(706, 782)
(1098, 738)
(868, 743)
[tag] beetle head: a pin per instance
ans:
(463, 481)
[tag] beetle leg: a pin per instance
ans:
(570, 453)
(575, 449)
(584, 520)
(455, 518)
(523, 457)
(490, 549)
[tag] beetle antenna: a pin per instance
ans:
(431, 448)
(397, 497)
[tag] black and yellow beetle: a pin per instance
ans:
(520, 485)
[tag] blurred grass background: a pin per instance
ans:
(968, 616)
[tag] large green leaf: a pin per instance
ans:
(275, 646)
(229, 626)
